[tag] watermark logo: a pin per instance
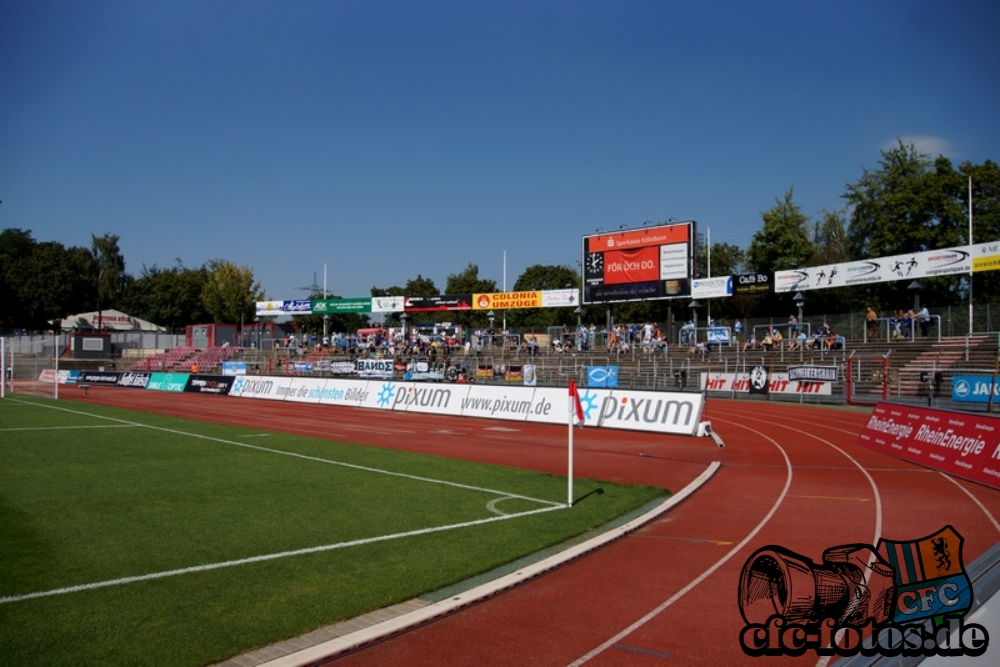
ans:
(901, 598)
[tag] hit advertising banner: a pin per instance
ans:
(778, 383)
(958, 443)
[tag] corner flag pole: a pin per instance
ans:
(575, 411)
(569, 426)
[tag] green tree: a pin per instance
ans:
(41, 283)
(985, 221)
(909, 204)
(544, 277)
(110, 279)
(468, 282)
(168, 297)
(783, 241)
(230, 294)
(421, 286)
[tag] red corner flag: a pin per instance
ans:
(575, 395)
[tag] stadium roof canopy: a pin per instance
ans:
(111, 320)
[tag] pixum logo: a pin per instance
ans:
(903, 598)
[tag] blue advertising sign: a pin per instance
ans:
(974, 389)
(719, 336)
(234, 368)
(602, 376)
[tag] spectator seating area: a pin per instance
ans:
(208, 360)
(165, 360)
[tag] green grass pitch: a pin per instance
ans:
(137, 539)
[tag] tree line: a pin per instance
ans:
(909, 203)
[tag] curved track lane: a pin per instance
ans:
(791, 476)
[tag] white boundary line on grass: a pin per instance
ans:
(62, 428)
(408, 621)
(549, 506)
(265, 557)
(246, 445)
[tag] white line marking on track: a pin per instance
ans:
(707, 573)
(974, 499)
(266, 557)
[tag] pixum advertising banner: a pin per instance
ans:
(963, 444)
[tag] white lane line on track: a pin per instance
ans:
(974, 499)
(864, 471)
(707, 573)
(825, 660)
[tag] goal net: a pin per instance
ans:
(30, 367)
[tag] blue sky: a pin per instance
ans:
(391, 139)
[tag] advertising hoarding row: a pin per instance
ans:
(958, 443)
(660, 412)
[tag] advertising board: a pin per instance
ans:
(167, 382)
(777, 383)
(648, 263)
(963, 444)
(660, 412)
(974, 389)
(209, 384)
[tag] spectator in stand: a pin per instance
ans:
(909, 321)
(924, 319)
(738, 329)
(793, 327)
(799, 343)
(768, 342)
(751, 342)
(871, 322)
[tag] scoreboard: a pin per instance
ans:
(639, 264)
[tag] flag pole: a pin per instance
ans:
(569, 425)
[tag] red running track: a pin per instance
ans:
(667, 594)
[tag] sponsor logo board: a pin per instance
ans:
(346, 392)
(136, 380)
(303, 390)
(497, 403)
(963, 444)
(247, 386)
(974, 389)
(167, 381)
(777, 383)
(209, 384)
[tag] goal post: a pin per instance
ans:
(867, 380)
(30, 367)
